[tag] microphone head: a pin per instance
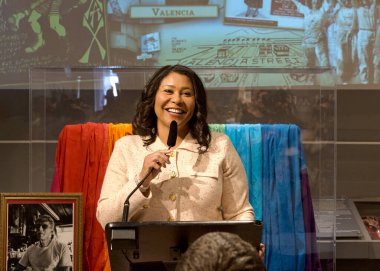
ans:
(172, 137)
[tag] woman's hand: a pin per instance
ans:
(153, 161)
(261, 251)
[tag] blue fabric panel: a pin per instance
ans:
(246, 139)
(284, 233)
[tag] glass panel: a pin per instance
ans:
(305, 97)
(14, 166)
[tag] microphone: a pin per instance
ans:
(172, 138)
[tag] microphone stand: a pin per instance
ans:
(172, 137)
(126, 203)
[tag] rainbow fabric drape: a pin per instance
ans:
(279, 190)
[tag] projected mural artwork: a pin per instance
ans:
(50, 33)
(337, 34)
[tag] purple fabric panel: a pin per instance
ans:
(312, 258)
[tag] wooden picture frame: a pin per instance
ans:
(22, 219)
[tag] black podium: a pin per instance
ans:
(135, 246)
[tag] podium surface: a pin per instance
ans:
(159, 245)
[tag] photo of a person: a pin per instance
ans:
(366, 38)
(41, 236)
(315, 39)
(47, 253)
(346, 25)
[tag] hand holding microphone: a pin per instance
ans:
(152, 164)
(154, 161)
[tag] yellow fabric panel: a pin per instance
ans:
(116, 131)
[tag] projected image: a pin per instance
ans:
(354, 43)
(205, 40)
(340, 35)
(253, 7)
(32, 15)
(331, 38)
(248, 12)
(139, 30)
(262, 13)
(149, 43)
(209, 42)
(45, 33)
(315, 38)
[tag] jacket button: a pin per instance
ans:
(173, 174)
(173, 197)
(145, 206)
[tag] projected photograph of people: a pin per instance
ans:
(341, 35)
(337, 35)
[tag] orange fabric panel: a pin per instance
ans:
(117, 131)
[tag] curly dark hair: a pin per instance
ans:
(220, 251)
(145, 120)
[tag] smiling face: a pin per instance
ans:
(174, 100)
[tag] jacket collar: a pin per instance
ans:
(188, 143)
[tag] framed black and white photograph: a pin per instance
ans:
(41, 231)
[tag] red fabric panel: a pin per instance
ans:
(81, 161)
